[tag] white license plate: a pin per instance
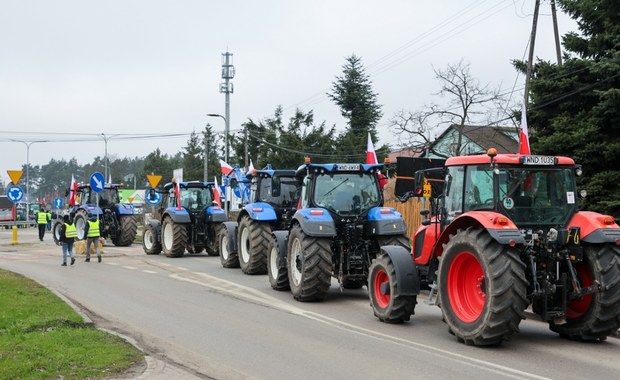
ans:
(348, 167)
(538, 160)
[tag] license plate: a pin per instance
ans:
(345, 167)
(538, 160)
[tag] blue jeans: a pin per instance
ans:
(67, 247)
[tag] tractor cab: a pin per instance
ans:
(277, 188)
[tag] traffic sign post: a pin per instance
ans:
(58, 202)
(97, 182)
(15, 175)
(14, 193)
(152, 197)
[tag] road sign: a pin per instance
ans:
(426, 189)
(58, 202)
(15, 175)
(97, 182)
(153, 180)
(152, 197)
(14, 193)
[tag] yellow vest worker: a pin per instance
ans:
(92, 237)
(93, 229)
(41, 223)
(70, 231)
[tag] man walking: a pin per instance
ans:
(68, 233)
(92, 233)
(42, 223)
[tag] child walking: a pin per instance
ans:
(68, 233)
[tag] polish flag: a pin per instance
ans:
(72, 191)
(44, 203)
(217, 196)
(226, 169)
(371, 156)
(524, 139)
(177, 194)
(251, 167)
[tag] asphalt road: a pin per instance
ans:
(223, 324)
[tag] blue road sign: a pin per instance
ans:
(58, 202)
(14, 193)
(152, 197)
(97, 182)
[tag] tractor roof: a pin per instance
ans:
(271, 172)
(509, 159)
(338, 168)
(189, 185)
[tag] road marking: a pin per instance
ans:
(111, 263)
(149, 271)
(128, 267)
(181, 268)
(255, 296)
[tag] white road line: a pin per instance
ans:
(128, 267)
(181, 268)
(110, 263)
(149, 271)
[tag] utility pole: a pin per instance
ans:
(245, 133)
(530, 60)
(205, 173)
(558, 51)
(228, 73)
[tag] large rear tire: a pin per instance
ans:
(212, 246)
(80, 220)
(173, 238)
(309, 266)
(595, 316)
(384, 291)
(228, 259)
(56, 231)
(253, 239)
(276, 270)
(149, 241)
(482, 288)
(128, 231)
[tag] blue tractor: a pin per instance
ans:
(117, 220)
(187, 218)
(272, 202)
(340, 227)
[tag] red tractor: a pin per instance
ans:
(504, 232)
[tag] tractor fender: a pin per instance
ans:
(500, 228)
(385, 221)
(281, 239)
(215, 214)
(595, 227)
(259, 211)
(91, 209)
(315, 222)
(124, 209)
(231, 231)
(177, 216)
(404, 268)
(156, 224)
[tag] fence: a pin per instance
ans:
(409, 209)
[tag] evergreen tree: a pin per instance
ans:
(193, 158)
(161, 164)
(574, 108)
(214, 152)
(352, 92)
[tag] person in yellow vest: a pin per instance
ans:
(42, 218)
(49, 220)
(68, 233)
(92, 232)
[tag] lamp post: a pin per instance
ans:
(225, 151)
(28, 143)
(105, 157)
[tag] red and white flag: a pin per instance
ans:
(217, 196)
(251, 167)
(226, 169)
(524, 139)
(371, 156)
(177, 194)
(72, 191)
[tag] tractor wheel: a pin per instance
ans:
(596, 315)
(385, 298)
(80, 220)
(212, 246)
(278, 274)
(56, 231)
(173, 238)
(482, 288)
(253, 239)
(228, 258)
(309, 266)
(149, 241)
(127, 233)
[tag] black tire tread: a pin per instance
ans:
(156, 247)
(279, 282)
(259, 236)
(179, 240)
(129, 227)
(402, 307)
(233, 260)
(316, 267)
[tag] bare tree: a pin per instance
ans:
(467, 102)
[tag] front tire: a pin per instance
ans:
(173, 238)
(252, 250)
(277, 271)
(228, 259)
(128, 231)
(149, 241)
(56, 231)
(309, 266)
(482, 288)
(595, 316)
(80, 220)
(384, 290)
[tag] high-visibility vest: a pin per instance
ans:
(42, 218)
(70, 231)
(93, 228)
(49, 216)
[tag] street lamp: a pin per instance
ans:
(28, 143)
(105, 157)
(226, 128)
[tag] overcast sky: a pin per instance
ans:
(154, 66)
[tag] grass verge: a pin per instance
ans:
(41, 337)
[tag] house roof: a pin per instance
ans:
(504, 139)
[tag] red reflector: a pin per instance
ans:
(512, 243)
(608, 220)
(386, 211)
(257, 209)
(316, 212)
(618, 242)
(502, 221)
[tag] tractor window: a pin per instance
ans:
(279, 190)
(478, 188)
(305, 202)
(347, 193)
(454, 191)
(196, 198)
(108, 198)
